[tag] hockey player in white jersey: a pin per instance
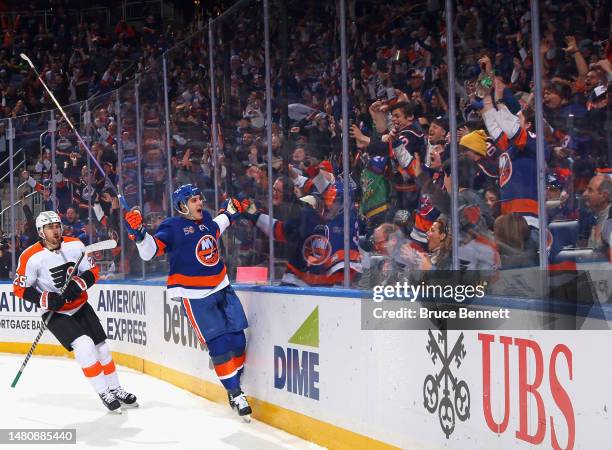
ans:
(41, 274)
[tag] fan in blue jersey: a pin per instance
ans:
(199, 277)
(318, 258)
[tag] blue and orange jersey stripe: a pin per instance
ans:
(161, 246)
(191, 318)
(194, 281)
(520, 139)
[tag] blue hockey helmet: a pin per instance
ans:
(182, 195)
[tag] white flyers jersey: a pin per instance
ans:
(47, 270)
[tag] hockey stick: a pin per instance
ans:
(97, 247)
(126, 208)
(124, 205)
(123, 202)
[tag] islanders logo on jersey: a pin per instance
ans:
(317, 249)
(505, 169)
(207, 251)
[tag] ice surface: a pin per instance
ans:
(53, 393)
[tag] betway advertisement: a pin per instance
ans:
(423, 389)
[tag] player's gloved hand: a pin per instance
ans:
(232, 208)
(74, 289)
(250, 210)
(51, 301)
(135, 227)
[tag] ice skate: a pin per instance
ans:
(239, 401)
(125, 397)
(110, 401)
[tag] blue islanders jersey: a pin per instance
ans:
(318, 259)
(426, 213)
(518, 176)
(196, 267)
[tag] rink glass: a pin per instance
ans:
(160, 126)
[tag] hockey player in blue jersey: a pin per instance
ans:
(199, 277)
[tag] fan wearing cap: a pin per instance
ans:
(559, 192)
(598, 98)
(436, 136)
(198, 276)
(476, 146)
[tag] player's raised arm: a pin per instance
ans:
(282, 231)
(148, 246)
(228, 213)
(198, 276)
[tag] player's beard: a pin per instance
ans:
(53, 243)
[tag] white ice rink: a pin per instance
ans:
(53, 393)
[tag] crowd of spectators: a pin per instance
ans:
(399, 131)
(400, 128)
(79, 61)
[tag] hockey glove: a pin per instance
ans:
(135, 227)
(75, 288)
(51, 301)
(250, 210)
(232, 208)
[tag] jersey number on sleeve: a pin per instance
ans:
(20, 280)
